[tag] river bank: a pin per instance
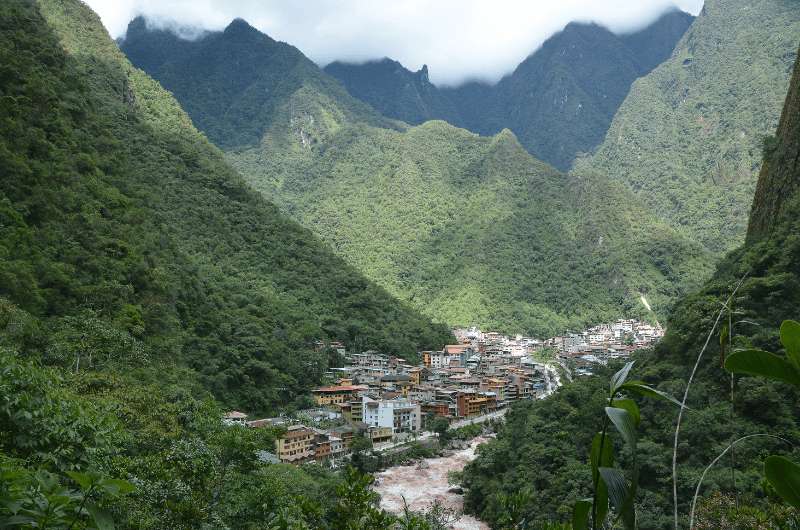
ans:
(423, 483)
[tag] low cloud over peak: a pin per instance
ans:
(457, 39)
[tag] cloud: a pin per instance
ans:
(457, 39)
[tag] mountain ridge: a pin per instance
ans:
(452, 239)
(688, 137)
(546, 90)
(144, 248)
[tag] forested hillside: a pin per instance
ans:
(469, 230)
(233, 82)
(473, 229)
(543, 448)
(559, 101)
(688, 138)
(129, 241)
(140, 279)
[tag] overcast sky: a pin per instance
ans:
(457, 39)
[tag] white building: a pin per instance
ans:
(401, 415)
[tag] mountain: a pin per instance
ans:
(688, 138)
(128, 240)
(244, 75)
(473, 229)
(468, 229)
(542, 450)
(559, 101)
(395, 91)
(145, 290)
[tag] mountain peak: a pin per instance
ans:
(423, 73)
(240, 26)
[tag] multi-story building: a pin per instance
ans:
(437, 408)
(334, 395)
(470, 404)
(322, 445)
(400, 414)
(379, 434)
(297, 444)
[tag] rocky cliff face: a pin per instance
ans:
(779, 179)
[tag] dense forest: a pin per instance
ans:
(542, 449)
(467, 229)
(144, 288)
(127, 236)
(687, 139)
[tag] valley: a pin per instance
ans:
(257, 274)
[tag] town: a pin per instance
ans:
(389, 401)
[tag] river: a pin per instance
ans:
(422, 485)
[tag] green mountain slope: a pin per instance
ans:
(474, 230)
(688, 137)
(559, 101)
(139, 275)
(544, 445)
(244, 74)
(469, 230)
(128, 240)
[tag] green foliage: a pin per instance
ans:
(783, 474)
(130, 244)
(236, 105)
(688, 138)
(144, 289)
(722, 512)
(610, 486)
(467, 230)
(40, 500)
(540, 443)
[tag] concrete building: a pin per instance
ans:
(400, 414)
(334, 395)
(296, 445)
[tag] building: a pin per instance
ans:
(322, 445)
(334, 395)
(437, 408)
(379, 434)
(234, 417)
(296, 445)
(400, 414)
(469, 404)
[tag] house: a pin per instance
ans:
(437, 408)
(469, 404)
(322, 445)
(234, 417)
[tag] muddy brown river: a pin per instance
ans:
(420, 486)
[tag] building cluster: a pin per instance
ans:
(385, 398)
(600, 344)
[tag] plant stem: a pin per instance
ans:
(703, 476)
(596, 477)
(683, 403)
(80, 508)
